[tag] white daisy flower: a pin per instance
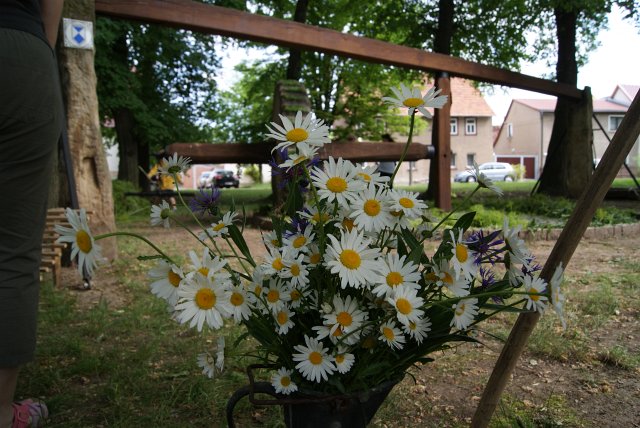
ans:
(296, 296)
(463, 258)
(394, 273)
(371, 210)
(314, 362)
(464, 313)
(344, 360)
(407, 203)
(407, 304)
(207, 363)
(412, 99)
(276, 295)
(344, 319)
(174, 165)
(302, 132)
(220, 353)
(295, 271)
(370, 175)
(485, 181)
(221, 227)
(336, 181)
(282, 383)
(273, 262)
(239, 303)
(271, 240)
(202, 301)
(165, 278)
(391, 335)
(518, 251)
(313, 257)
(557, 298)
(210, 267)
(160, 214)
(299, 241)
(303, 154)
(313, 215)
(283, 320)
(445, 276)
(417, 330)
(534, 287)
(352, 259)
(82, 243)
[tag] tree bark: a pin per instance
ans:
(441, 44)
(127, 147)
(90, 169)
(567, 168)
(294, 67)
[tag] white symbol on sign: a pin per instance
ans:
(78, 34)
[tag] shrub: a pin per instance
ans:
(125, 206)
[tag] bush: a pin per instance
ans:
(126, 206)
(254, 172)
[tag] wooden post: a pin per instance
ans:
(441, 139)
(586, 206)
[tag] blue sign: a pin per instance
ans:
(78, 34)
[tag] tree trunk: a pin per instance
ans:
(127, 147)
(567, 168)
(90, 169)
(294, 68)
(441, 44)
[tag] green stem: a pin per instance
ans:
(406, 147)
(135, 235)
(235, 253)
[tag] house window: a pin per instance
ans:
(614, 122)
(453, 160)
(509, 130)
(471, 158)
(454, 126)
(470, 126)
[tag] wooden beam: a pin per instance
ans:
(441, 138)
(585, 208)
(261, 152)
(205, 18)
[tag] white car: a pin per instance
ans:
(205, 179)
(496, 171)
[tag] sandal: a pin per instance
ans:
(29, 414)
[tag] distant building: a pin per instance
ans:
(525, 133)
(471, 134)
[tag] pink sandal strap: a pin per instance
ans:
(29, 414)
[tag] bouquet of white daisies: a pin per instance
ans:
(346, 297)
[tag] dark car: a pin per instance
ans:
(224, 178)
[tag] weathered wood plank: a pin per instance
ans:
(211, 19)
(585, 208)
(261, 152)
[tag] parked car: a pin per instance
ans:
(205, 179)
(224, 178)
(496, 171)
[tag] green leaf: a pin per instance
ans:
(238, 239)
(465, 221)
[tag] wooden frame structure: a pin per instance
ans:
(210, 19)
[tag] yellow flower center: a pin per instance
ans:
(316, 217)
(297, 135)
(83, 240)
(337, 332)
(315, 358)
(388, 333)
(413, 102)
(404, 306)
(348, 224)
(533, 296)
(275, 243)
(397, 213)
(165, 213)
(431, 276)
(461, 253)
(460, 309)
(337, 184)
(406, 202)
(282, 317)
(174, 278)
(205, 298)
(412, 325)
(394, 279)
(285, 381)
(315, 258)
(236, 299)
(365, 177)
(299, 241)
(350, 259)
(340, 358)
(277, 264)
(218, 227)
(204, 271)
(299, 159)
(446, 277)
(371, 207)
(295, 270)
(344, 318)
(295, 295)
(273, 296)
(257, 291)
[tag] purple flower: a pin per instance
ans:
(205, 202)
(294, 174)
(484, 246)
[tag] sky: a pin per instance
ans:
(615, 61)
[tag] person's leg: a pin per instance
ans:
(8, 382)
